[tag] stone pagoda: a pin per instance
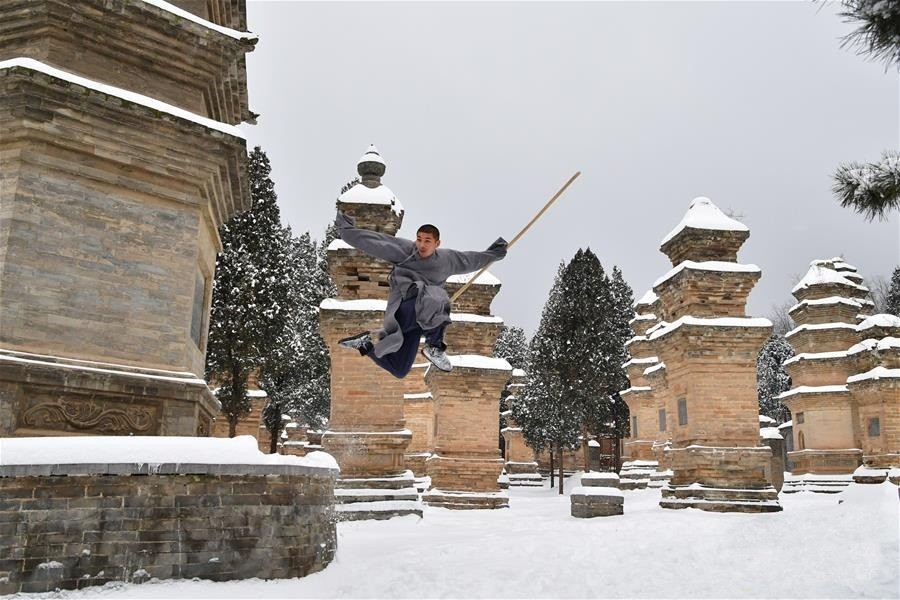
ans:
(367, 431)
(521, 466)
(120, 160)
(466, 463)
(842, 376)
(709, 348)
(643, 446)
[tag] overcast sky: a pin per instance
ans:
(482, 110)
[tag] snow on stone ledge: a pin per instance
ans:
(650, 360)
(766, 419)
(486, 278)
(421, 396)
(476, 361)
(816, 356)
(875, 374)
(153, 450)
(818, 275)
(872, 344)
(598, 491)
(233, 33)
(654, 369)
(813, 389)
(593, 443)
(826, 302)
(703, 214)
(635, 389)
(786, 424)
(644, 317)
(336, 304)
(127, 95)
(709, 265)
(473, 318)
(518, 372)
(819, 326)
(594, 476)
(880, 320)
(80, 365)
(647, 299)
(711, 322)
(361, 194)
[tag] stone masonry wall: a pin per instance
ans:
(232, 522)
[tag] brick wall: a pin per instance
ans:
(231, 522)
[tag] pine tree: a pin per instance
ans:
(872, 189)
(512, 345)
(252, 299)
(893, 295)
(771, 378)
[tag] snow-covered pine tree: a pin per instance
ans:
(771, 378)
(620, 333)
(872, 189)
(892, 304)
(512, 345)
(251, 294)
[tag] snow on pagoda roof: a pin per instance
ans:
(837, 262)
(819, 326)
(518, 373)
(650, 360)
(819, 275)
(486, 278)
(654, 369)
(361, 194)
(813, 389)
(635, 389)
(827, 302)
(880, 320)
(476, 361)
(770, 433)
(637, 338)
(870, 344)
(703, 214)
(646, 317)
(786, 424)
(875, 374)
(371, 155)
(234, 33)
(472, 318)
(816, 356)
(335, 304)
(766, 419)
(127, 95)
(647, 299)
(709, 265)
(422, 396)
(711, 322)
(339, 244)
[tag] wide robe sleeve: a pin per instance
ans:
(466, 262)
(380, 245)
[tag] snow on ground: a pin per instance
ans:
(821, 546)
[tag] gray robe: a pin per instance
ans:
(410, 271)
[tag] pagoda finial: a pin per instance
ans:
(371, 167)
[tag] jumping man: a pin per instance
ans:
(417, 304)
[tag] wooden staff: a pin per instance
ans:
(460, 291)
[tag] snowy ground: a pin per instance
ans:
(820, 546)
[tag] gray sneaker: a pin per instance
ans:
(356, 342)
(438, 358)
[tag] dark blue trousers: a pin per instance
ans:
(400, 363)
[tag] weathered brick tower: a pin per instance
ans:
(521, 464)
(367, 431)
(466, 462)
(709, 349)
(119, 159)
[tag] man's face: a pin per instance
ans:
(426, 244)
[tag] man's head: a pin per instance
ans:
(428, 238)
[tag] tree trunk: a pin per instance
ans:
(551, 465)
(617, 453)
(232, 426)
(560, 451)
(273, 442)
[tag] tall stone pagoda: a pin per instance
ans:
(367, 431)
(709, 348)
(642, 448)
(843, 376)
(120, 160)
(466, 463)
(521, 466)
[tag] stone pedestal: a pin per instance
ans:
(521, 466)
(589, 502)
(466, 461)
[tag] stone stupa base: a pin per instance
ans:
(523, 474)
(465, 483)
(377, 498)
(720, 479)
(460, 500)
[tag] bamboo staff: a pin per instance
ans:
(460, 291)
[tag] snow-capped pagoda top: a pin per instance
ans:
(372, 203)
(704, 234)
(822, 281)
(644, 304)
(838, 264)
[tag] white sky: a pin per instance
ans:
(482, 110)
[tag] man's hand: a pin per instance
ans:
(499, 246)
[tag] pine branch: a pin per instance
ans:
(878, 32)
(871, 189)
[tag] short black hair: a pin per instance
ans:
(430, 230)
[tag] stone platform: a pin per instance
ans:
(466, 500)
(377, 498)
(588, 502)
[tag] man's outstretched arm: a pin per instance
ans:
(380, 245)
(466, 262)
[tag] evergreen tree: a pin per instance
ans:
(575, 359)
(872, 189)
(893, 295)
(252, 298)
(512, 345)
(771, 378)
